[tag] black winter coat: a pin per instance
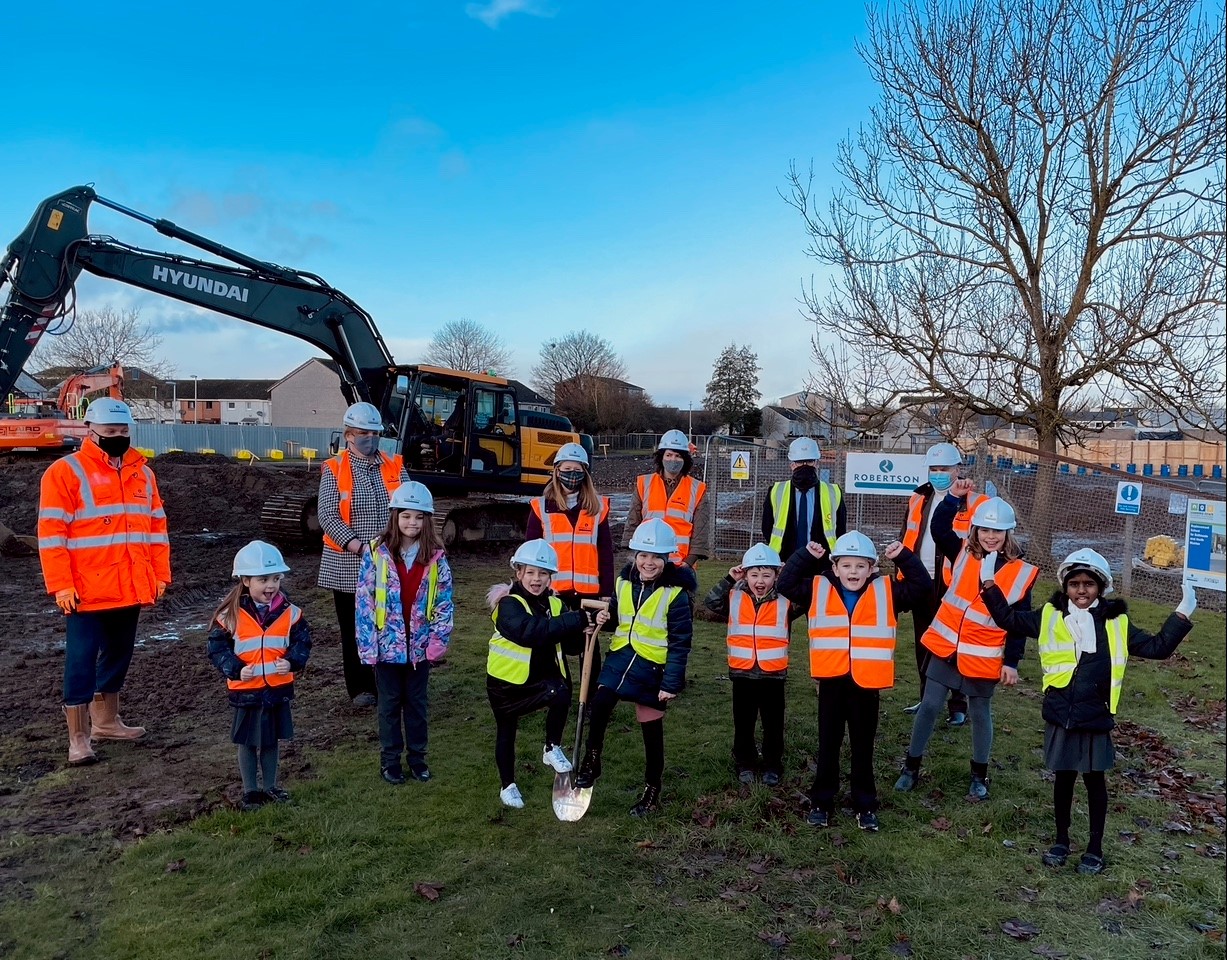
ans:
(1085, 703)
(539, 631)
(222, 655)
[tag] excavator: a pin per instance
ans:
(462, 434)
(29, 426)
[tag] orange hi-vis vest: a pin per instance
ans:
(102, 531)
(677, 510)
(757, 633)
(579, 567)
(389, 468)
(862, 644)
(963, 623)
(260, 647)
(962, 528)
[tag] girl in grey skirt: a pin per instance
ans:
(1085, 643)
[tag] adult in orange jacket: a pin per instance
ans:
(105, 554)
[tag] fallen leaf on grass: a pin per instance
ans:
(304, 850)
(1114, 927)
(901, 948)
(646, 844)
(516, 941)
(759, 868)
(1202, 927)
(1027, 894)
(1177, 826)
(986, 829)
(1043, 950)
(837, 840)
(706, 820)
(428, 891)
(1128, 837)
(1020, 930)
(777, 941)
(1171, 855)
(823, 914)
(940, 823)
(619, 950)
(892, 905)
(176, 866)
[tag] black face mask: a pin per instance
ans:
(805, 477)
(113, 446)
(571, 479)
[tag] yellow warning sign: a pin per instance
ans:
(739, 466)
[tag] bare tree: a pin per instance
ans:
(1033, 218)
(578, 354)
(100, 337)
(466, 345)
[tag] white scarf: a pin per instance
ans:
(572, 500)
(1082, 625)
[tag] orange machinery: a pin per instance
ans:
(28, 426)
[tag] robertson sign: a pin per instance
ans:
(885, 474)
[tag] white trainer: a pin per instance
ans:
(510, 795)
(554, 757)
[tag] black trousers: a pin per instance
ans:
(844, 705)
(922, 618)
(509, 703)
(403, 705)
(755, 698)
(359, 678)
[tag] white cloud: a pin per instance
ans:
(495, 11)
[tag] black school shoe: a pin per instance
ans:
(393, 775)
(867, 820)
(253, 800)
(1056, 856)
(819, 818)
(771, 778)
(277, 795)
(419, 771)
(1090, 864)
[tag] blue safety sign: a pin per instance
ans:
(1129, 498)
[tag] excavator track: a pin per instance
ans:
(460, 522)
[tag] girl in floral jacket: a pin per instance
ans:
(403, 619)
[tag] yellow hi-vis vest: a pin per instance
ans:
(509, 661)
(381, 587)
(645, 629)
(1058, 659)
(829, 498)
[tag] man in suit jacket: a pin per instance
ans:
(803, 503)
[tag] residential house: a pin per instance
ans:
(223, 401)
(308, 396)
(530, 400)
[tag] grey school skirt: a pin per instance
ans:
(1083, 751)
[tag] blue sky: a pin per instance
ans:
(539, 167)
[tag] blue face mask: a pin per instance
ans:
(941, 481)
(365, 446)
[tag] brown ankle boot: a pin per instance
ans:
(79, 751)
(104, 714)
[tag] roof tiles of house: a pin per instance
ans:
(223, 389)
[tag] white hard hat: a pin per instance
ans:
(412, 496)
(536, 553)
(674, 440)
(258, 559)
(994, 514)
(943, 455)
(804, 448)
(571, 451)
(105, 410)
(760, 555)
(1089, 560)
(363, 416)
(654, 536)
(855, 544)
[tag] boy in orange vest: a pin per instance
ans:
(758, 659)
(852, 620)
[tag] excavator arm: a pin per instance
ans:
(42, 265)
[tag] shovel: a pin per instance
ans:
(571, 802)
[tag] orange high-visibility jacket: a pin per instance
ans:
(677, 510)
(962, 528)
(963, 623)
(863, 644)
(757, 634)
(579, 565)
(260, 647)
(389, 468)
(102, 531)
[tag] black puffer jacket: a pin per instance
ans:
(1084, 703)
(538, 630)
(222, 655)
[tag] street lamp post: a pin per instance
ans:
(174, 400)
(690, 424)
(195, 399)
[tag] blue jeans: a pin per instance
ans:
(97, 652)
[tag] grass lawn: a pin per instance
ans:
(356, 868)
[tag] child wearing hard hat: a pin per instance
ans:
(258, 642)
(969, 651)
(853, 614)
(1085, 642)
(942, 463)
(646, 663)
(671, 494)
(403, 623)
(803, 508)
(574, 519)
(758, 619)
(526, 669)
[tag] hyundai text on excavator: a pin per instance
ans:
(462, 434)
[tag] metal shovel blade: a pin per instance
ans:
(570, 802)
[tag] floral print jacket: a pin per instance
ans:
(429, 631)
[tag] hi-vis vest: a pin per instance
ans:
(757, 634)
(863, 644)
(677, 510)
(829, 498)
(1058, 658)
(339, 466)
(962, 529)
(913, 526)
(381, 586)
(260, 647)
(509, 661)
(963, 623)
(645, 629)
(579, 567)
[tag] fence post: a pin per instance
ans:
(1126, 576)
